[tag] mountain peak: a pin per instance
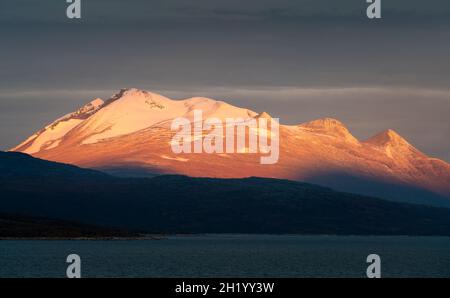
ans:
(263, 115)
(394, 144)
(388, 137)
(134, 93)
(324, 123)
(329, 126)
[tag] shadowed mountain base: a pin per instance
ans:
(179, 204)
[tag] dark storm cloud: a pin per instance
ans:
(264, 54)
(248, 43)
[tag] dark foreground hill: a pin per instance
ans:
(20, 226)
(179, 204)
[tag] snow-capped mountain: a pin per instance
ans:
(130, 133)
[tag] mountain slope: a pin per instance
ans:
(15, 164)
(50, 136)
(130, 133)
(178, 204)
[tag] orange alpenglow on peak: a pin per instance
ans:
(263, 115)
(388, 137)
(394, 145)
(330, 126)
(90, 108)
(133, 92)
(325, 123)
(130, 130)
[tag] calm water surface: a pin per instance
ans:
(230, 256)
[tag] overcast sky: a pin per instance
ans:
(299, 60)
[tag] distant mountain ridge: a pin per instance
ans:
(17, 164)
(130, 134)
(180, 204)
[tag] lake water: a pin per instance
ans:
(230, 256)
